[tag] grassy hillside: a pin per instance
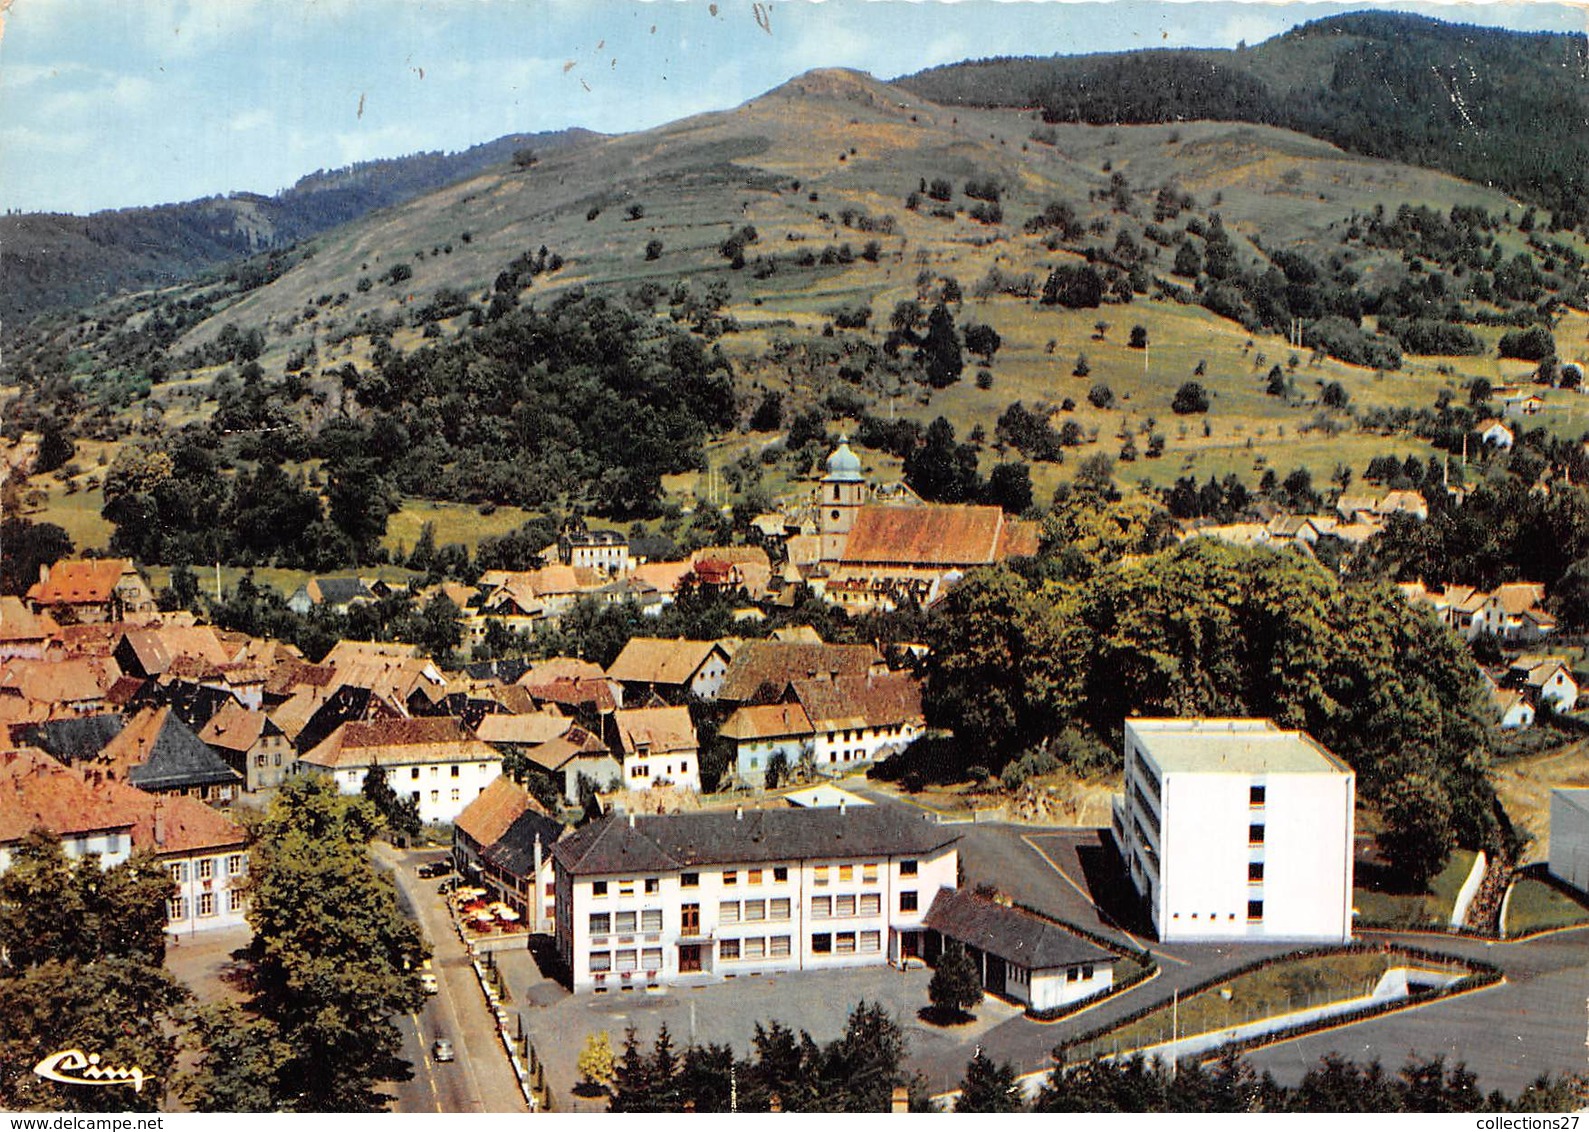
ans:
(1495, 106)
(834, 173)
(54, 260)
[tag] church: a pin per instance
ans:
(876, 555)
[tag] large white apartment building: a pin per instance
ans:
(1569, 837)
(652, 900)
(1234, 829)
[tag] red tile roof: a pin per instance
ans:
(38, 792)
(499, 805)
(432, 739)
(937, 535)
(80, 581)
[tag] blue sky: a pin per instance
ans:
(108, 103)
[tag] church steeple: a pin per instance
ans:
(842, 493)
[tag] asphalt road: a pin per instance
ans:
(479, 1079)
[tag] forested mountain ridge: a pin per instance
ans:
(1497, 107)
(55, 259)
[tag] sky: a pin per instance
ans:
(114, 103)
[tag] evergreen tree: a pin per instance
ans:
(956, 986)
(939, 354)
(987, 1087)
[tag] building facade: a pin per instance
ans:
(1569, 837)
(434, 761)
(694, 897)
(1232, 829)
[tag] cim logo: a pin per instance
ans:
(74, 1067)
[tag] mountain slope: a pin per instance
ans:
(54, 260)
(1497, 107)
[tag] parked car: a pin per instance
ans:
(447, 885)
(428, 983)
(435, 869)
(442, 1050)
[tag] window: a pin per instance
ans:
(689, 880)
(755, 909)
(1255, 796)
(1255, 834)
(755, 948)
(600, 961)
(780, 874)
(819, 875)
(728, 949)
(869, 874)
(907, 901)
(1072, 974)
(871, 903)
(455, 794)
(260, 760)
(455, 770)
(179, 873)
(778, 908)
(651, 920)
(846, 873)
(234, 865)
(434, 771)
(778, 947)
(626, 960)
(598, 888)
(754, 877)
(846, 943)
(689, 919)
(907, 868)
(871, 941)
(844, 906)
(206, 903)
(652, 886)
(234, 901)
(821, 907)
(728, 912)
(730, 877)
(600, 923)
(1255, 871)
(639, 771)
(413, 774)
(1086, 970)
(206, 869)
(651, 959)
(1254, 909)
(822, 944)
(177, 909)
(626, 888)
(624, 923)
(435, 795)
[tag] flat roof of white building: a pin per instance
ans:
(1231, 746)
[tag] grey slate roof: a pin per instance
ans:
(340, 591)
(664, 843)
(179, 758)
(514, 851)
(1013, 935)
(73, 740)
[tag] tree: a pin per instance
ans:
(633, 1087)
(239, 1068)
(1191, 397)
(597, 1069)
(1416, 809)
(982, 340)
(524, 158)
(439, 629)
(1139, 338)
(1073, 287)
(1009, 487)
(941, 470)
(1188, 260)
(939, 354)
(777, 770)
(956, 986)
(1082, 368)
(653, 249)
(401, 814)
(29, 545)
(987, 1087)
(768, 416)
(333, 958)
(1100, 396)
(80, 967)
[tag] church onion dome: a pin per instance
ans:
(843, 464)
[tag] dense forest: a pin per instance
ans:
(1492, 106)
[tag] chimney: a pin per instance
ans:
(159, 825)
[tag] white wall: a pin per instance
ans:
(206, 903)
(1052, 987)
(681, 769)
(442, 795)
(1569, 839)
(113, 848)
(576, 901)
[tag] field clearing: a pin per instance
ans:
(283, 581)
(454, 522)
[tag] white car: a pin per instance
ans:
(428, 983)
(442, 1050)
